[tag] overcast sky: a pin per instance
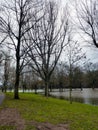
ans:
(91, 51)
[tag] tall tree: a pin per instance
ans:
(47, 41)
(14, 18)
(74, 56)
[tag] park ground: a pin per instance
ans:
(36, 112)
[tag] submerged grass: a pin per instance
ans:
(41, 109)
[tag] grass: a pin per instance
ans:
(38, 108)
(30, 127)
(7, 128)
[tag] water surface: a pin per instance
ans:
(87, 96)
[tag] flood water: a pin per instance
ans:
(87, 96)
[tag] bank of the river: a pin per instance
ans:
(86, 95)
(35, 111)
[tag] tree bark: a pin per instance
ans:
(70, 94)
(16, 93)
(70, 84)
(46, 89)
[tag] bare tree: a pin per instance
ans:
(74, 57)
(47, 42)
(15, 16)
(87, 12)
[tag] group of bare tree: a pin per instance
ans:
(38, 32)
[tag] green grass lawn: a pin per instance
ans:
(38, 108)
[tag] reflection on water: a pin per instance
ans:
(87, 96)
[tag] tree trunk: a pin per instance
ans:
(16, 94)
(5, 85)
(70, 95)
(5, 88)
(51, 88)
(35, 88)
(70, 85)
(23, 89)
(46, 89)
